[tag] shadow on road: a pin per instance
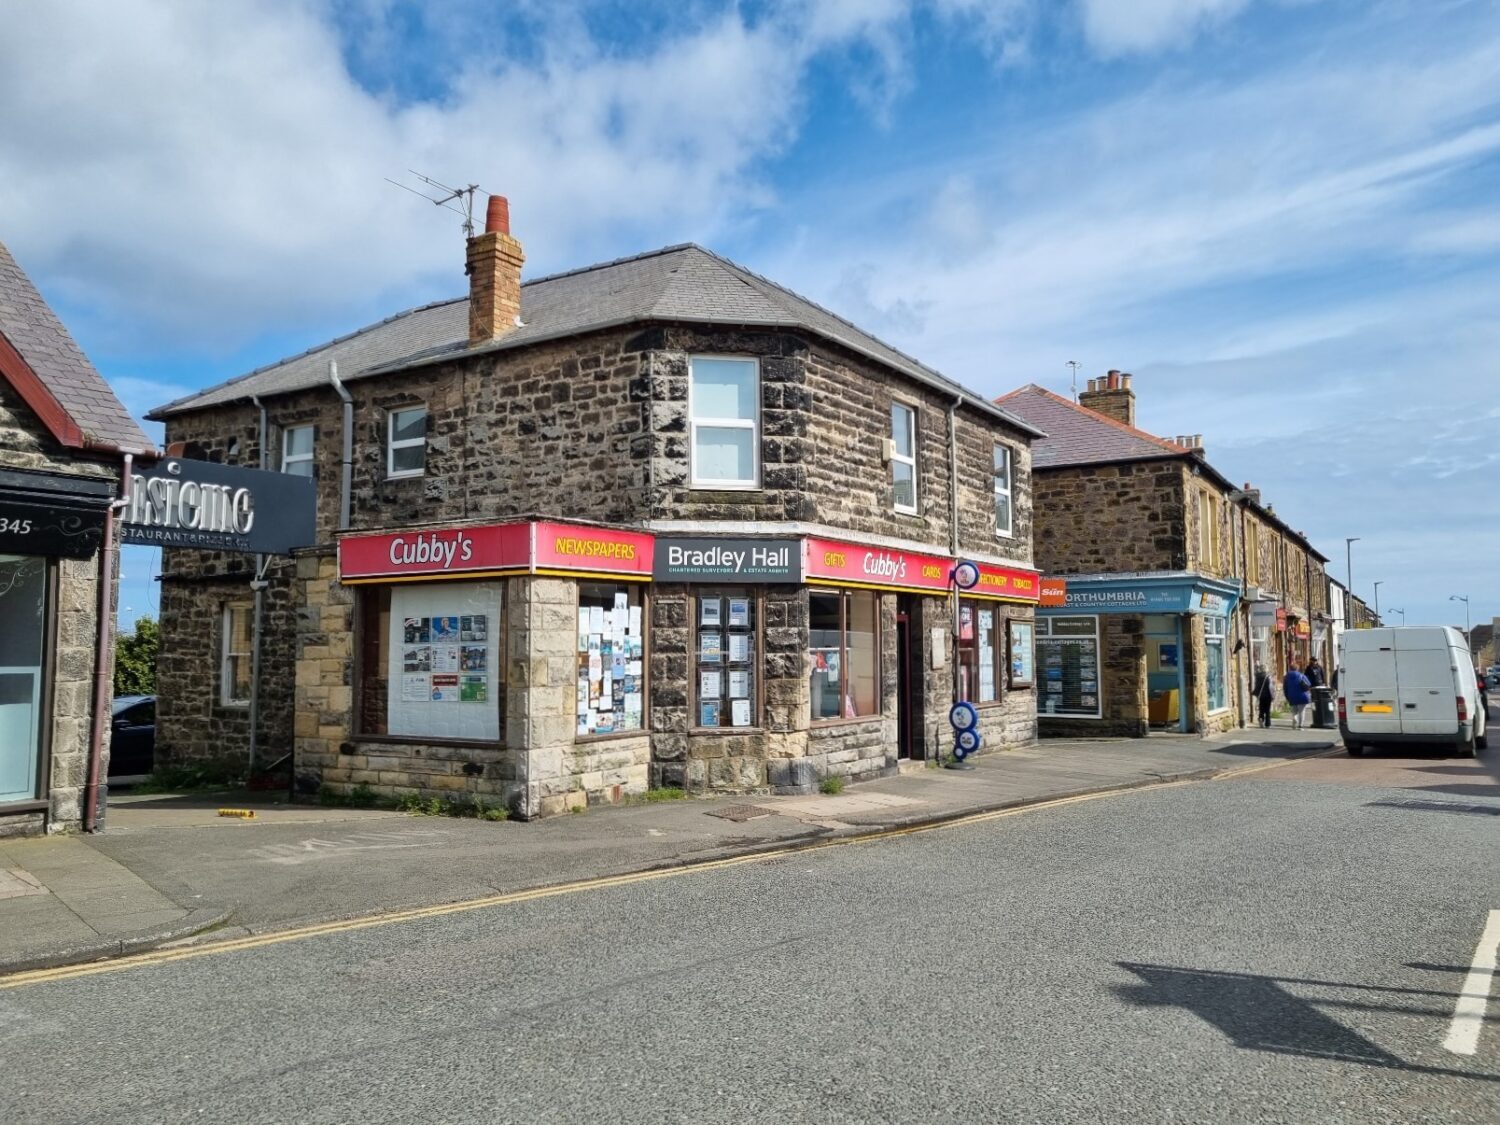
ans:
(1259, 1013)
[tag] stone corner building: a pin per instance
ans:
(1176, 581)
(656, 522)
(65, 442)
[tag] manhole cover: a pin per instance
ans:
(1439, 806)
(739, 813)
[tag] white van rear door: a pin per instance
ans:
(1426, 686)
(1368, 683)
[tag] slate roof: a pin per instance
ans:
(1077, 435)
(39, 337)
(685, 284)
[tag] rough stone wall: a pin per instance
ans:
(977, 534)
(1219, 563)
(25, 443)
(1108, 518)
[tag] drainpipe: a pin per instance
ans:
(104, 651)
(258, 585)
(346, 466)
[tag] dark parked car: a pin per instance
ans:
(132, 746)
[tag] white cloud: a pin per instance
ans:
(1120, 27)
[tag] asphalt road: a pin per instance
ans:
(1282, 947)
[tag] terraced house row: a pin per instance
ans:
(654, 522)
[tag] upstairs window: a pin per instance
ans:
(904, 457)
(1004, 513)
(234, 656)
(406, 442)
(297, 451)
(724, 405)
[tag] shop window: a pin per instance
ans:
(611, 659)
(844, 638)
(406, 442)
(234, 676)
(432, 661)
(1004, 513)
(1022, 639)
(1214, 631)
(727, 658)
(297, 451)
(979, 654)
(904, 457)
(724, 404)
(23, 609)
(1067, 649)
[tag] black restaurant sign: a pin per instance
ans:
(180, 502)
(728, 560)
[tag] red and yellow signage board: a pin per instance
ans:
(439, 553)
(852, 564)
(560, 546)
(494, 548)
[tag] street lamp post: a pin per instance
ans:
(1377, 601)
(1465, 599)
(1349, 581)
(1402, 612)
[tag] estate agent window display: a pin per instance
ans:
(726, 654)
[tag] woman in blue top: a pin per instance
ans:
(1298, 691)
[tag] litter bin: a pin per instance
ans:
(1322, 707)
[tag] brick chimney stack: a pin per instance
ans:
(1111, 396)
(494, 269)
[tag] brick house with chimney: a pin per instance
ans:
(1159, 562)
(65, 442)
(655, 522)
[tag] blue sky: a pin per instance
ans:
(1278, 214)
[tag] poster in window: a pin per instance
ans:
(708, 713)
(474, 658)
(739, 648)
(710, 647)
(445, 658)
(474, 627)
(1166, 658)
(739, 613)
(445, 630)
(709, 686)
(445, 687)
(417, 658)
(708, 612)
(739, 711)
(739, 684)
(474, 689)
(415, 687)
(1022, 653)
(416, 631)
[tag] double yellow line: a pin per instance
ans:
(394, 917)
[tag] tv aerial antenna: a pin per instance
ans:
(1075, 365)
(458, 200)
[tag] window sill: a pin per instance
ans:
(724, 486)
(410, 475)
(725, 730)
(234, 704)
(915, 513)
(413, 740)
(611, 736)
(820, 724)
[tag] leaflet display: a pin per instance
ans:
(725, 647)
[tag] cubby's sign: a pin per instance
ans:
(179, 502)
(433, 553)
(853, 564)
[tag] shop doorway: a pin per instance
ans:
(908, 681)
(23, 618)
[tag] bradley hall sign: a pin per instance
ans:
(212, 507)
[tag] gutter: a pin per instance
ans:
(104, 650)
(953, 476)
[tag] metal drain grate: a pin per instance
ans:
(1438, 806)
(739, 813)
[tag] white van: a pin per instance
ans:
(1408, 684)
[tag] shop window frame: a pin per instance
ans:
(1008, 492)
(289, 458)
(999, 651)
(644, 730)
(845, 597)
(1043, 636)
(757, 663)
(913, 431)
(227, 697)
(358, 731)
(46, 693)
(754, 425)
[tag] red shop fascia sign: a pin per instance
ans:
(834, 562)
(491, 550)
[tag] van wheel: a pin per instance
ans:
(1355, 749)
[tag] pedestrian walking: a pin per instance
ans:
(1315, 674)
(1298, 692)
(1264, 693)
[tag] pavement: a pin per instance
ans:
(168, 867)
(1293, 945)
